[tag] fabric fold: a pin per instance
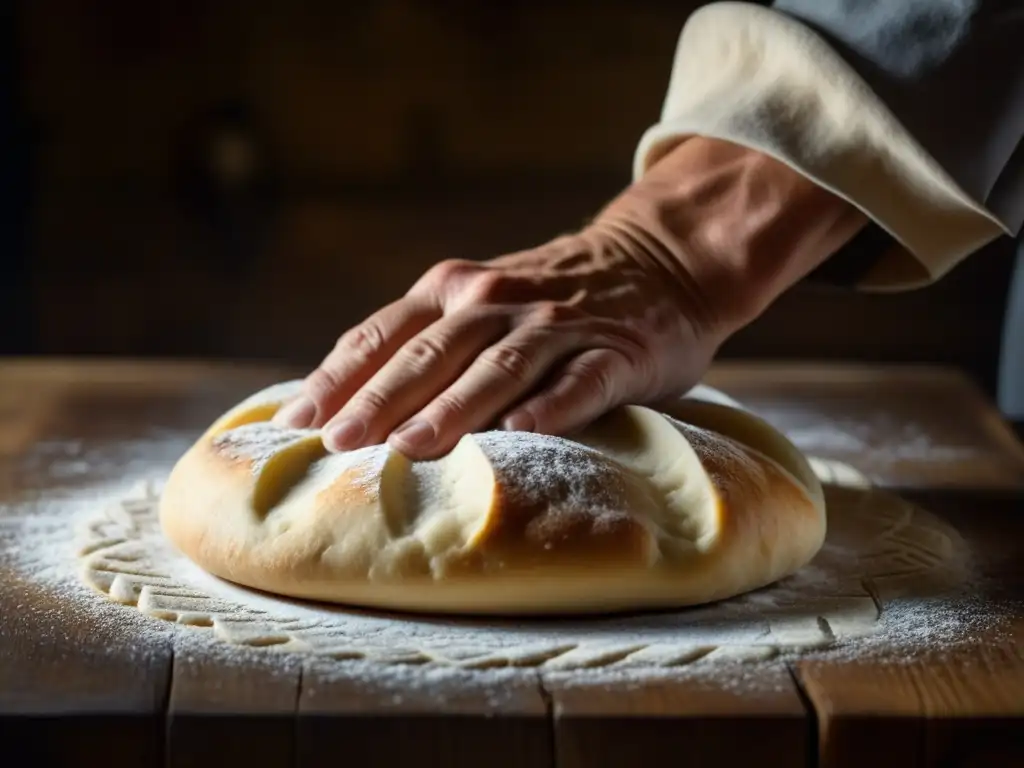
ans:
(761, 79)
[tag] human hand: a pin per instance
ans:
(630, 309)
(542, 340)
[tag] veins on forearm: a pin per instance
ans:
(733, 227)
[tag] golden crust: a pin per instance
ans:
(640, 510)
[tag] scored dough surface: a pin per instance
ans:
(694, 502)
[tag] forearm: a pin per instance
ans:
(767, 80)
(731, 226)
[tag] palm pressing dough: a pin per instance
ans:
(644, 509)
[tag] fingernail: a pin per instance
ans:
(299, 414)
(519, 422)
(415, 434)
(344, 434)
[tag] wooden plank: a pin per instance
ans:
(931, 712)
(902, 426)
(83, 681)
(387, 715)
(105, 684)
(992, 527)
(74, 690)
(963, 706)
(232, 708)
(73, 684)
(715, 718)
(191, 380)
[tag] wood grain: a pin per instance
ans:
(72, 692)
(942, 708)
(637, 722)
(933, 712)
(232, 709)
(904, 426)
(75, 690)
(384, 720)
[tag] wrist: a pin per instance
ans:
(732, 227)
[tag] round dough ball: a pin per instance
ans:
(694, 502)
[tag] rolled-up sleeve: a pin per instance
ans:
(912, 110)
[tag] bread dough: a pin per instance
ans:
(695, 502)
(890, 577)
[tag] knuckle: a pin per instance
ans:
(447, 407)
(445, 272)
(320, 385)
(511, 362)
(548, 313)
(370, 401)
(649, 374)
(365, 340)
(596, 380)
(485, 287)
(423, 352)
(641, 363)
(635, 353)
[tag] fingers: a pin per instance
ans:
(589, 385)
(357, 356)
(421, 369)
(501, 374)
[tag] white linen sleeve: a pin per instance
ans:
(775, 82)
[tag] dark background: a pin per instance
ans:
(248, 179)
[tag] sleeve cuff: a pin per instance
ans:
(758, 78)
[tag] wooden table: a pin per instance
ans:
(76, 692)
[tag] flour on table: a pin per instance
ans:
(879, 550)
(888, 441)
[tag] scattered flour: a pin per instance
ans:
(879, 550)
(886, 440)
(540, 468)
(256, 443)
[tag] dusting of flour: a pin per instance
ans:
(552, 470)
(256, 443)
(886, 440)
(880, 552)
